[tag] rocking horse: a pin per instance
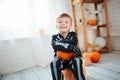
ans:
(67, 73)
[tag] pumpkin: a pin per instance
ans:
(65, 55)
(86, 59)
(95, 56)
(92, 22)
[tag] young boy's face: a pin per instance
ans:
(64, 24)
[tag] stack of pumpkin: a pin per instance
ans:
(91, 57)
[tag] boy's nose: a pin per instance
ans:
(63, 23)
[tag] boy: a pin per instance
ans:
(66, 41)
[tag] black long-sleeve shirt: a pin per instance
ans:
(66, 45)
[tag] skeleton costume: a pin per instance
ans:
(66, 45)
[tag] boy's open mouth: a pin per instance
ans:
(63, 27)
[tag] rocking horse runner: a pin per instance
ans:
(67, 55)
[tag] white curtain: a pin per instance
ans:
(21, 46)
(23, 18)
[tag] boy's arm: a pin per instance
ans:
(64, 46)
(60, 45)
(72, 39)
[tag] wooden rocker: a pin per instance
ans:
(67, 73)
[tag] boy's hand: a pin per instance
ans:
(76, 51)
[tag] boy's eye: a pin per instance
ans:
(60, 22)
(63, 22)
(66, 22)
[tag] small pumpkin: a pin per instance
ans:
(86, 59)
(92, 22)
(65, 55)
(95, 56)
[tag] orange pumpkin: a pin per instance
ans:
(95, 56)
(65, 55)
(92, 22)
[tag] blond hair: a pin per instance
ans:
(65, 15)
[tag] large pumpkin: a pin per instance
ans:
(65, 55)
(95, 56)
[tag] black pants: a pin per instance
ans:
(75, 64)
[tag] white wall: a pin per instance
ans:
(114, 16)
(114, 22)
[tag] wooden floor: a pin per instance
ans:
(107, 69)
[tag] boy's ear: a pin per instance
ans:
(56, 26)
